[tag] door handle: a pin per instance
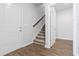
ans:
(20, 29)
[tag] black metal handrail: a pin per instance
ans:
(38, 21)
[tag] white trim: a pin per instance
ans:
(18, 48)
(52, 26)
(47, 26)
(27, 44)
(62, 38)
(47, 46)
(75, 31)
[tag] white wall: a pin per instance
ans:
(65, 24)
(76, 30)
(29, 14)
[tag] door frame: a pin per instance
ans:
(48, 25)
(47, 28)
(75, 30)
(52, 25)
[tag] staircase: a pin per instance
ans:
(40, 38)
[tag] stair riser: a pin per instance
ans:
(42, 32)
(41, 36)
(40, 43)
(40, 39)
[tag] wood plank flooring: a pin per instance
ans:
(60, 48)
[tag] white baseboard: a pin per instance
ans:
(46, 46)
(17, 48)
(27, 44)
(62, 38)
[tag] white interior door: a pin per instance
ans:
(53, 25)
(10, 33)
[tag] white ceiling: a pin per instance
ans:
(62, 6)
(58, 6)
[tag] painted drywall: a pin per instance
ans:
(65, 24)
(76, 30)
(29, 14)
